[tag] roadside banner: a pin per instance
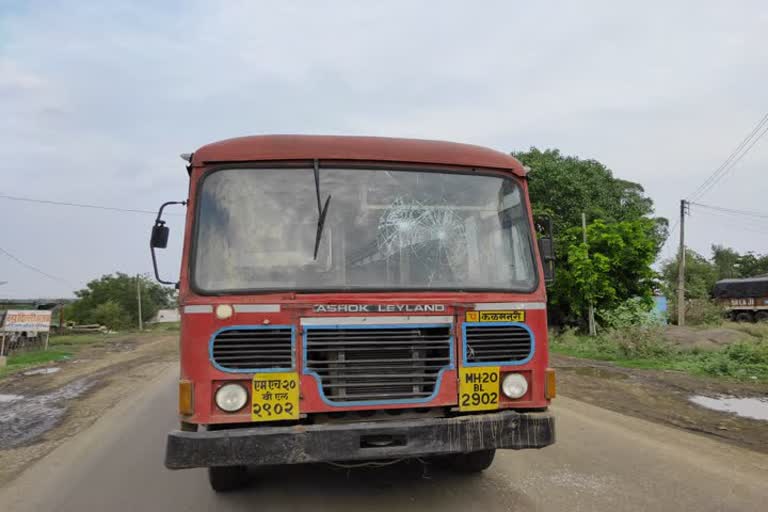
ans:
(27, 321)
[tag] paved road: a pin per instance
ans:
(602, 461)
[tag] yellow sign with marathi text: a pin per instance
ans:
(495, 316)
(275, 397)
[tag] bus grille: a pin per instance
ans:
(390, 363)
(497, 344)
(253, 349)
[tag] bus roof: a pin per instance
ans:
(364, 149)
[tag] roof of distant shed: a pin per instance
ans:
(364, 149)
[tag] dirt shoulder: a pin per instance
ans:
(57, 406)
(663, 397)
(40, 411)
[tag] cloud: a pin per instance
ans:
(98, 100)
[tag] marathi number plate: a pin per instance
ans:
(496, 316)
(479, 388)
(275, 396)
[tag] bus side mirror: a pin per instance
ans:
(547, 252)
(546, 247)
(159, 238)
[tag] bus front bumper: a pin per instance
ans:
(266, 446)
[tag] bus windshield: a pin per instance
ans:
(385, 229)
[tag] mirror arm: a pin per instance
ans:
(160, 222)
(158, 219)
(157, 275)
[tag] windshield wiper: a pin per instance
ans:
(321, 211)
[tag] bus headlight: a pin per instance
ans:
(514, 385)
(231, 397)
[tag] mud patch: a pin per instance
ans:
(72, 399)
(26, 418)
(663, 397)
(754, 408)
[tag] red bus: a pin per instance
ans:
(358, 299)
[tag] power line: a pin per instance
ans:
(733, 164)
(736, 155)
(739, 224)
(748, 213)
(76, 205)
(33, 268)
(674, 227)
(670, 234)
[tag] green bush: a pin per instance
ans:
(112, 315)
(645, 347)
(758, 330)
(742, 360)
(595, 347)
(637, 311)
(699, 312)
(639, 341)
(703, 312)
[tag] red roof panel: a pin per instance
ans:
(368, 149)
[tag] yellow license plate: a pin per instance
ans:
(479, 388)
(496, 316)
(275, 396)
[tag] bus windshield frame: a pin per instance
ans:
(267, 226)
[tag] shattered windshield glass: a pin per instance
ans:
(395, 229)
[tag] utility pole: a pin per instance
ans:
(681, 266)
(138, 297)
(591, 312)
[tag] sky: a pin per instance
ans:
(98, 99)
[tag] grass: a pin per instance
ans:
(17, 363)
(646, 348)
(66, 346)
(164, 327)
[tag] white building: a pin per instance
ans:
(167, 316)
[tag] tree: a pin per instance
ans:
(700, 276)
(115, 295)
(110, 314)
(565, 187)
(624, 237)
(752, 265)
(613, 266)
(731, 264)
(726, 261)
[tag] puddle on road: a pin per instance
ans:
(754, 408)
(600, 373)
(42, 371)
(22, 421)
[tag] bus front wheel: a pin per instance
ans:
(473, 462)
(228, 478)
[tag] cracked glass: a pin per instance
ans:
(385, 229)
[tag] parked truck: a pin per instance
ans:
(358, 299)
(745, 300)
